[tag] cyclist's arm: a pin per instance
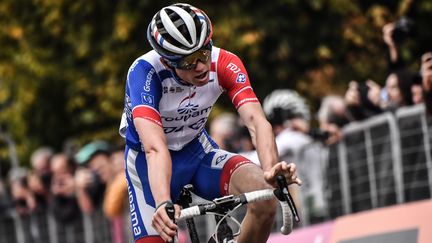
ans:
(145, 91)
(234, 79)
(158, 158)
(261, 133)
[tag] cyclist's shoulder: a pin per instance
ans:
(227, 62)
(148, 62)
(223, 54)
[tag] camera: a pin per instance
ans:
(363, 91)
(404, 28)
(318, 134)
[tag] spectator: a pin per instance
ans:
(426, 71)
(241, 141)
(39, 179)
(400, 85)
(417, 90)
(230, 133)
(363, 100)
(40, 163)
(332, 116)
(426, 74)
(398, 88)
(93, 174)
(64, 202)
(287, 109)
(222, 129)
(22, 198)
(394, 34)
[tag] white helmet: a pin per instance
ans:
(285, 104)
(179, 30)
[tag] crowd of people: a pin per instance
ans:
(70, 186)
(403, 87)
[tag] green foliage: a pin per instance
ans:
(63, 63)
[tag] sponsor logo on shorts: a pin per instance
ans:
(133, 213)
(220, 158)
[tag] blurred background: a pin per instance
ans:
(63, 66)
(63, 63)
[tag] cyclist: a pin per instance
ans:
(169, 94)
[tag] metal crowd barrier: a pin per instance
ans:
(42, 227)
(382, 161)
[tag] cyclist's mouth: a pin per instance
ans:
(202, 76)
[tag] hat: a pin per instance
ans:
(89, 150)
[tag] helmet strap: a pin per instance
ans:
(166, 63)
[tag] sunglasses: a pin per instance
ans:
(189, 62)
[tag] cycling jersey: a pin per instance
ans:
(156, 93)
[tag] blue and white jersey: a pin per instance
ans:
(156, 93)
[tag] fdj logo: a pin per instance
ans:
(234, 68)
(241, 78)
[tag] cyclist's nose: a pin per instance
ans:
(200, 65)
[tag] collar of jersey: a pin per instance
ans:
(178, 79)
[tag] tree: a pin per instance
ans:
(63, 63)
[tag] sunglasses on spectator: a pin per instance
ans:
(190, 62)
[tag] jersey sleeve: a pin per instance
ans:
(145, 91)
(234, 79)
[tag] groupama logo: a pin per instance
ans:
(186, 107)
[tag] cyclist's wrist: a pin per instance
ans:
(163, 203)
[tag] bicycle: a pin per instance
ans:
(224, 206)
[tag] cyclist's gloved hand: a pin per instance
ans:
(166, 228)
(282, 168)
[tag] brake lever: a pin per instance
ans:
(170, 210)
(284, 195)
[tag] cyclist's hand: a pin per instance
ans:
(163, 224)
(282, 168)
